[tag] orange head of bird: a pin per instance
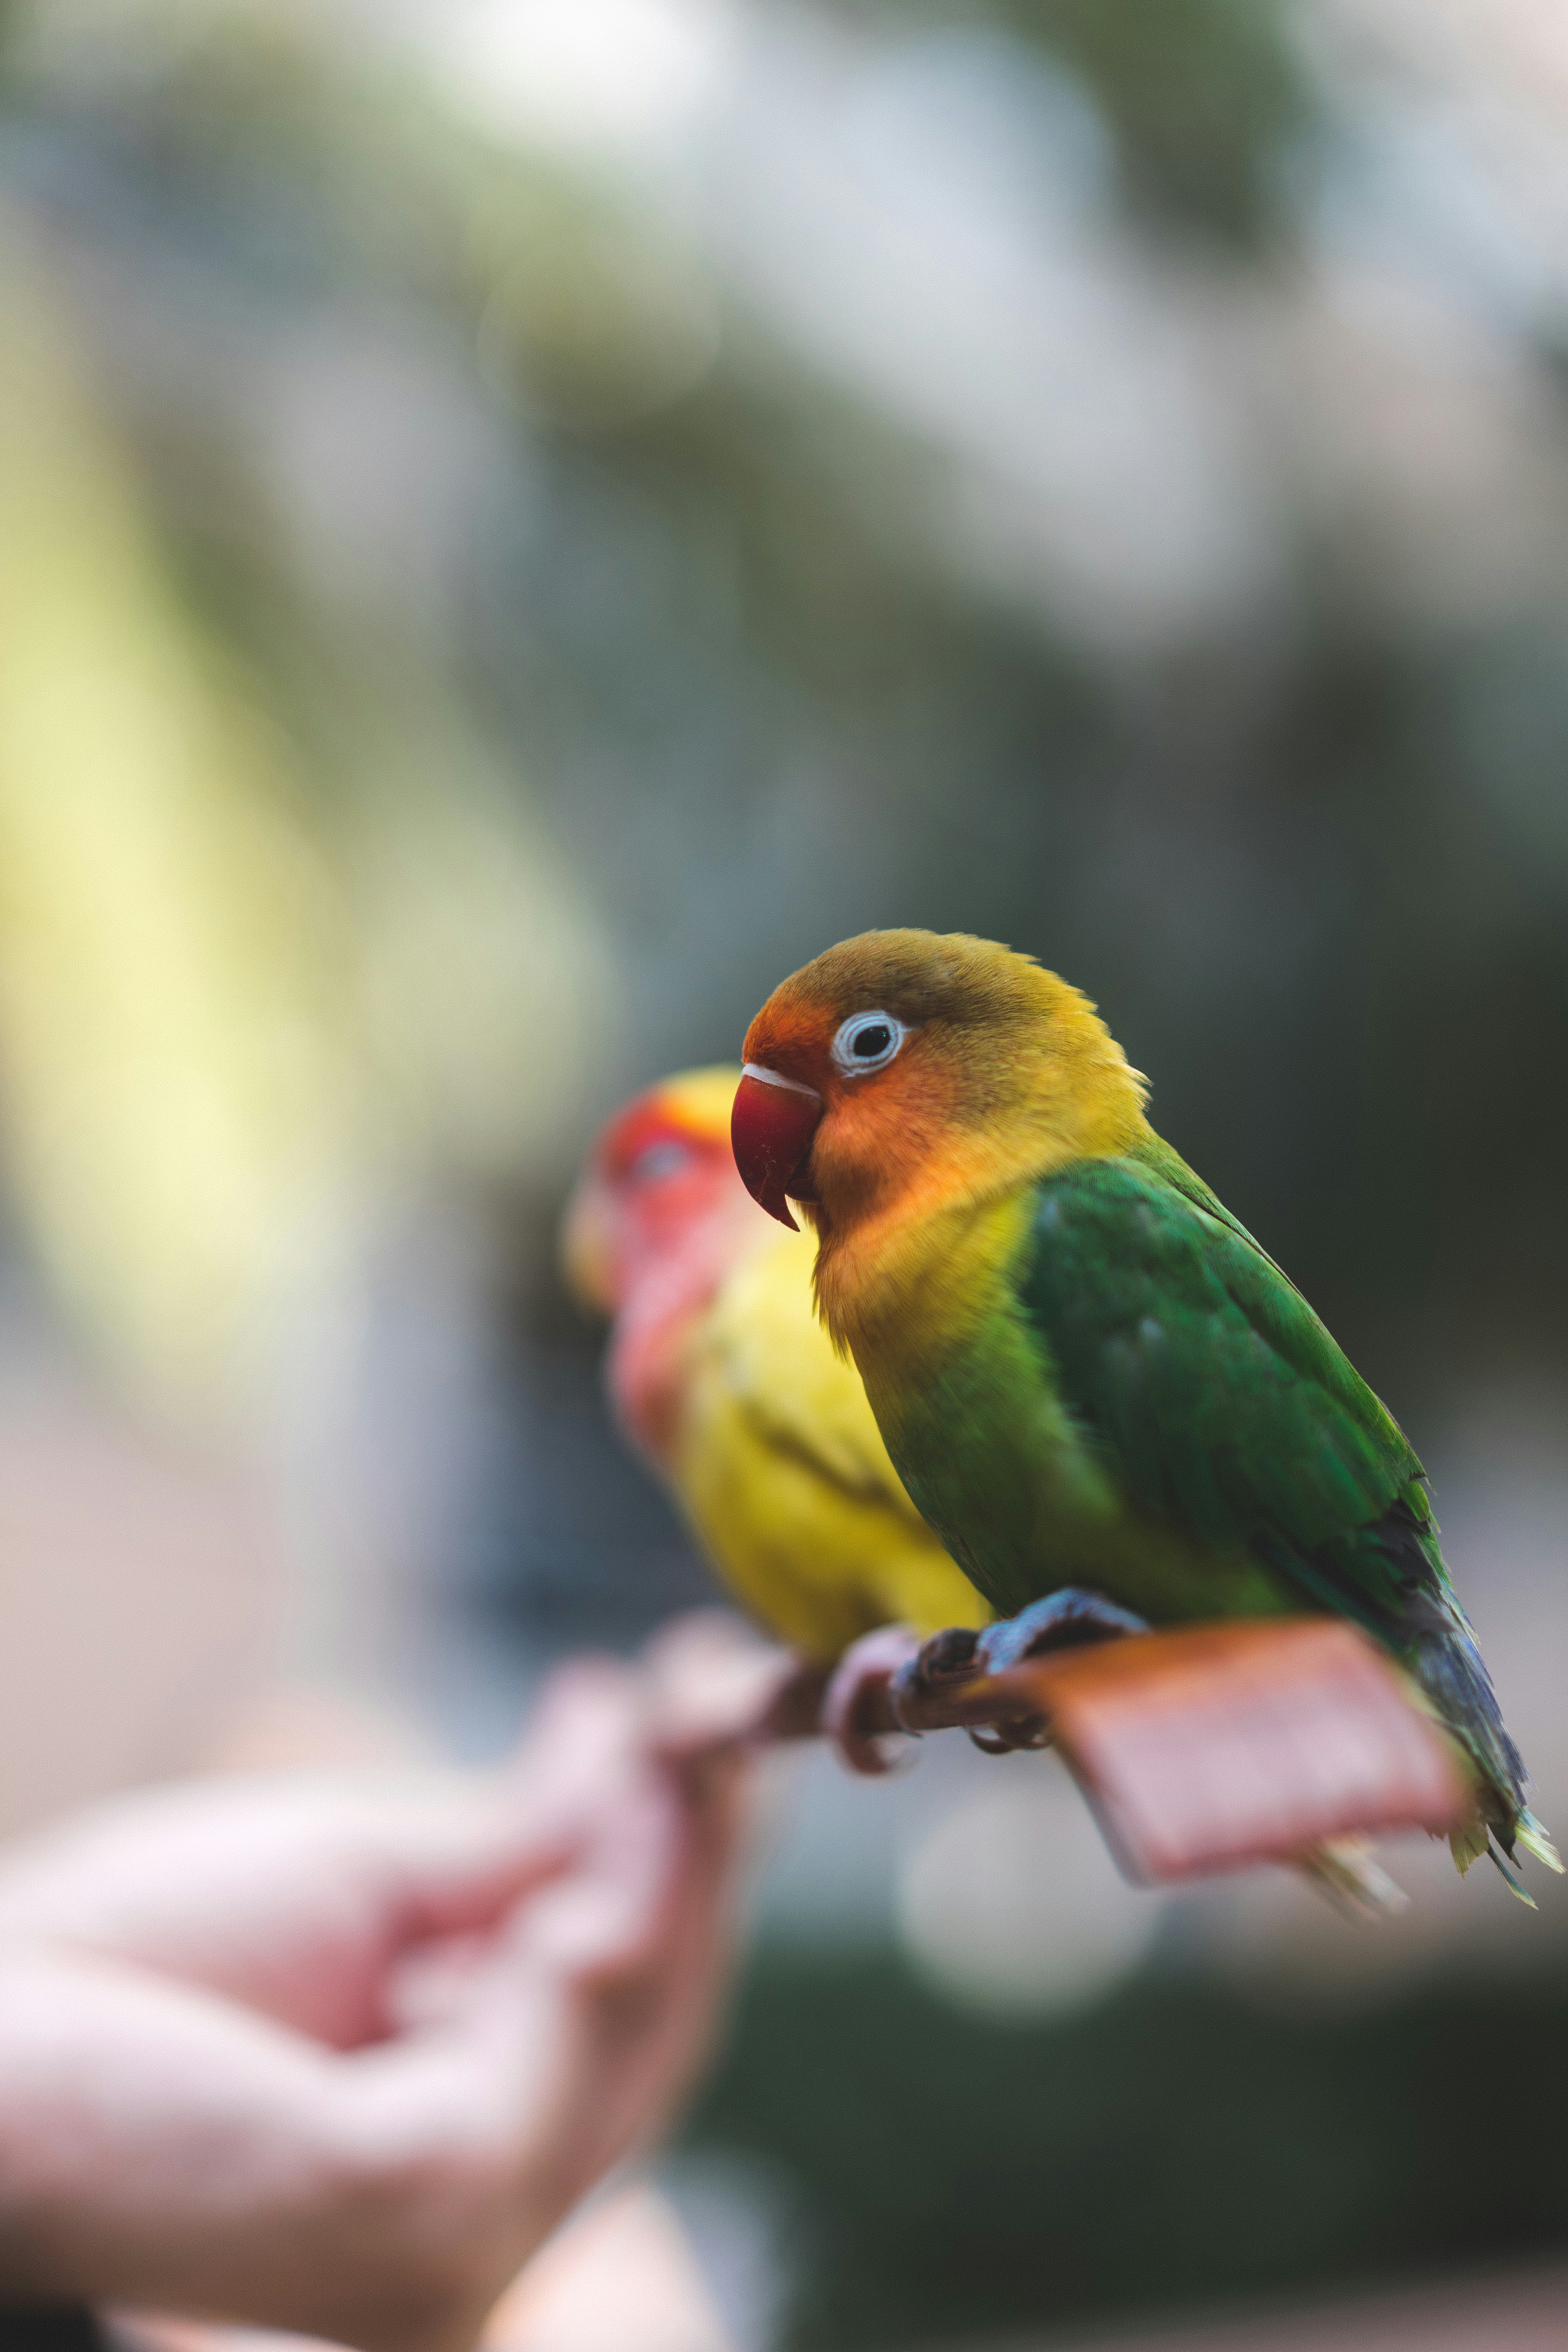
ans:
(906, 1062)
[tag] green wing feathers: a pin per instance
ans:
(1221, 1406)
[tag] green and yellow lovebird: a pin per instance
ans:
(1105, 1397)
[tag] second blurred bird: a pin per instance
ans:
(721, 1374)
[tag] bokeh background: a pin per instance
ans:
(518, 524)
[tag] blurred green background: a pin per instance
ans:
(519, 524)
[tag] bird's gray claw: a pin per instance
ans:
(1007, 1738)
(1067, 1620)
(941, 1661)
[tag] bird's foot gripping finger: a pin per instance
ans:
(941, 1662)
(1064, 1621)
(958, 1655)
(946, 1661)
(858, 1712)
(1068, 1620)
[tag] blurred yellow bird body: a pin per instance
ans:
(782, 1472)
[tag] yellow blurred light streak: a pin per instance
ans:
(486, 987)
(172, 1087)
(228, 1021)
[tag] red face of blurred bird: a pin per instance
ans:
(657, 1219)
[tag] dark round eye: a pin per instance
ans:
(658, 1160)
(866, 1040)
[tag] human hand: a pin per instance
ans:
(336, 2058)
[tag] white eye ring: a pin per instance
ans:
(857, 1066)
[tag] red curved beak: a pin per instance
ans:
(770, 1129)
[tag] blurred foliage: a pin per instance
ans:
(1178, 2147)
(632, 567)
(1205, 95)
(277, 933)
(1205, 98)
(163, 991)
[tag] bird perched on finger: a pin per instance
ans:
(722, 1377)
(1104, 1395)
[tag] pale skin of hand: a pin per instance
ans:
(337, 2057)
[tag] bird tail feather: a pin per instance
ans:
(1469, 1841)
(1529, 1833)
(1343, 1871)
(1451, 1671)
